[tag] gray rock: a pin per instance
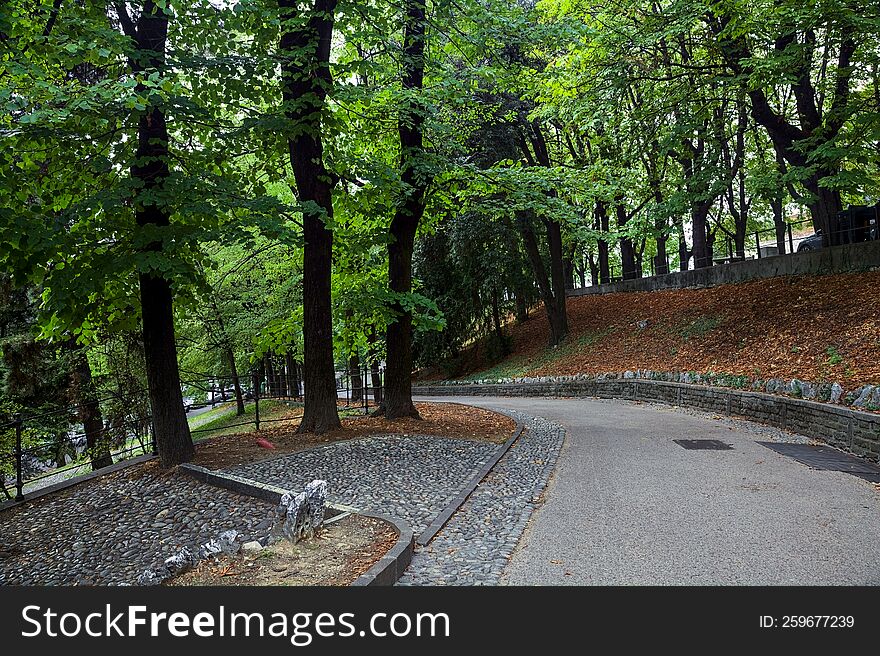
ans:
(154, 576)
(864, 396)
(836, 393)
(251, 547)
(808, 391)
(183, 561)
(228, 542)
(305, 511)
(775, 385)
(644, 323)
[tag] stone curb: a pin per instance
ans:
(386, 571)
(440, 521)
(76, 480)
(851, 430)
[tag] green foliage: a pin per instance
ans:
(547, 112)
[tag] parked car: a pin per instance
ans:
(855, 224)
(811, 243)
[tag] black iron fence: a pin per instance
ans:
(39, 449)
(30, 453)
(853, 225)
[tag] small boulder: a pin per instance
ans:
(252, 547)
(864, 396)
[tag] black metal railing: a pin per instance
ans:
(854, 225)
(45, 444)
(37, 458)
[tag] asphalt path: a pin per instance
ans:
(628, 506)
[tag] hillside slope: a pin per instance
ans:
(814, 328)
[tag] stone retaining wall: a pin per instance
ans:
(837, 259)
(847, 429)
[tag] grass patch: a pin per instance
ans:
(698, 327)
(211, 415)
(229, 423)
(519, 366)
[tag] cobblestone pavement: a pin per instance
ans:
(412, 478)
(108, 531)
(475, 545)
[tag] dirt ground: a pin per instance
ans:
(814, 328)
(442, 419)
(340, 553)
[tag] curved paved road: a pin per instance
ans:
(629, 506)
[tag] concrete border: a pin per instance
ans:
(385, 571)
(847, 429)
(452, 507)
(390, 567)
(76, 480)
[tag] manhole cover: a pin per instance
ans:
(714, 445)
(827, 458)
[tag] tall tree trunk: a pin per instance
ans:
(602, 224)
(89, 410)
(661, 266)
(304, 92)
(173, 439)
(779, 223)
(568, 271)
(581, 270)
(684, 253)
(702, 256)
(271, 378)
(236, 383)
(376, 382)
(298, 379)
(375, 373)
(496, 319)
(549, 288)
(408, 214)
(560, 316)
(824, 207)
(290, 375)
(594, 269)
(522, 310)
(627, 251)
(354, 374)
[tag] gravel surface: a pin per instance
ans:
(108, 531)
(408, 477)
(474, 546)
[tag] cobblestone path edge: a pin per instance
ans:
(386, 571)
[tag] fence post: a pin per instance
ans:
(19, 484)
(758, 244)
(257, 400)
(366, 389)
(790, 240)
